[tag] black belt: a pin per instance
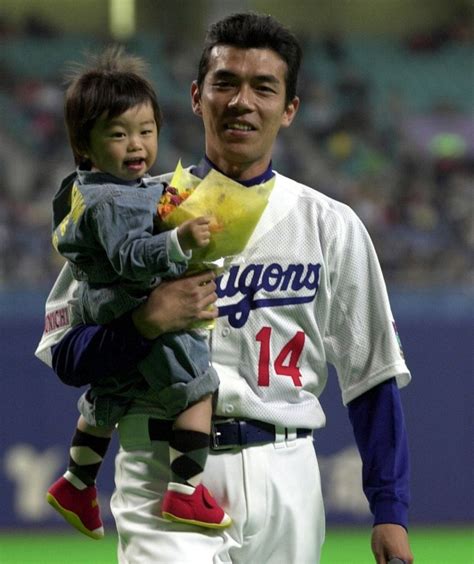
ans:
(228, 433)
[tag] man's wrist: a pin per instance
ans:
(143, 326)
(394, 512)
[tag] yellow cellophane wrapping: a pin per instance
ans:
(182, 178)
(235, 209)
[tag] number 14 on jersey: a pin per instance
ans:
(286, 362)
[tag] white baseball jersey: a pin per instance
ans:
(307, 291)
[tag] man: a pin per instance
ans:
(281, 320)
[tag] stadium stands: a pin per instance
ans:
(383, 127)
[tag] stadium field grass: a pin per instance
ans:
(343, 546)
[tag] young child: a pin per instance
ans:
(105, 224)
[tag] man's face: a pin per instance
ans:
(242, 104)
(125, 146)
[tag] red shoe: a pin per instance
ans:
(80, 508)
(194, 506)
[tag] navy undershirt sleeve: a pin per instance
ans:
(379, 430)
(87, 353)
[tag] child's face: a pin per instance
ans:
(125, 146)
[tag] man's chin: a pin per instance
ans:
(241, 167)
(238, 154)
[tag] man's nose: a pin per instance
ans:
(243, 98)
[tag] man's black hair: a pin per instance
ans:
(250, 30)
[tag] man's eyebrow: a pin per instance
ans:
(225, 74)
(267, 78)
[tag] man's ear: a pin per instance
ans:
(290, 112)
(196, 99)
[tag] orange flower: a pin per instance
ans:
(171, 199)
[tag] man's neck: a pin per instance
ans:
(206, 164)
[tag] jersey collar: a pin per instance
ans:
(206, 164)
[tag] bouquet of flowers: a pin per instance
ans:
(235, 209)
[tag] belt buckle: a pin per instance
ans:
(215, 434)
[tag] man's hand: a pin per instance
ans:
(389, 541)
(175, 305)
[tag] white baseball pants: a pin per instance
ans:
(271, 491)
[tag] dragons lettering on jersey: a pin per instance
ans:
(266, 279)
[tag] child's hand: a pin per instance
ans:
(195, 233)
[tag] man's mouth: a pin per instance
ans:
(237, 126)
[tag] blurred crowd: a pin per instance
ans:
(375, 130)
